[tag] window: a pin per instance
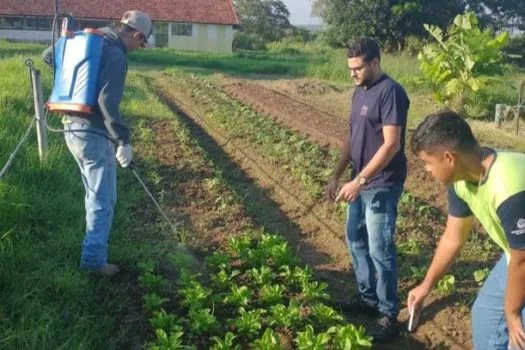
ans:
(31, 23)
(161, 28)
(182, 29)
(11, 22)
(44, 23)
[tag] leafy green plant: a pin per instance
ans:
(271, 294)
(269, 341)
(194, 295)
(202, 321)
(151, 281)
(223, 280)
(255, 257)
(239, 296)
(409, 247)
(314, 291)
(459, 61)
(286, 273)
(302, 276)
(350, 337)
(153, 302)
(481, 275)
(282, 255)
(287, 317)
(164, 341)
(181, 260)
(237, 245)
(163, 320)
(261, 275)
(147, 266)
(225, 344)
(269, 241)
(249, 323)
(446, 285)
(418, 272)
(308, 340)
(217, 261)
(325, 315)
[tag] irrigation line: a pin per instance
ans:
(17, 148)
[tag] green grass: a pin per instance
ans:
(8, 49)
(306, 61)
(47, 303)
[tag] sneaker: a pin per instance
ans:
(107, 270)
(384, 329)
(358, 305)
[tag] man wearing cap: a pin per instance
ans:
(94, 153)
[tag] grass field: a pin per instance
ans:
(47, 302)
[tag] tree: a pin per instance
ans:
(267, 20)
(393, 21)
(389, 21)
(500, 13)
(461, 61)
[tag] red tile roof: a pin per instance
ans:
(193, 11)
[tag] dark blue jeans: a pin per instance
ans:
(489, 325)
(370, 228)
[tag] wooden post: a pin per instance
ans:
(520, 104)
(41, 125)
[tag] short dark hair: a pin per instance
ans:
(443, 128)
(368, 48)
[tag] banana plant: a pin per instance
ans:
(459, 62)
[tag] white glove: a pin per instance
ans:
(124, 155)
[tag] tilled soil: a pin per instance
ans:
(278, 203)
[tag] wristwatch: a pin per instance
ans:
(361, 180)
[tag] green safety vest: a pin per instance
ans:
(506, 178)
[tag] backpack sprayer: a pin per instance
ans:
(77, 58)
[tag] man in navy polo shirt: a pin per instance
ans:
(375, 147)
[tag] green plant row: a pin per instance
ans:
(253, 295)
(306, 161)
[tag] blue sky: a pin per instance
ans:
(300, 12)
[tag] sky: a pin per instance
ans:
(300, 12)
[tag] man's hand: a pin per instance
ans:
(349, 192)
(331, 189)
(124, 155)
(516, 332)
(416, 297)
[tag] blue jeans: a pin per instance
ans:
(370, 228)
(95, 156)
(489, 325)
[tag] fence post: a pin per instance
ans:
(41, 125)
(520, 104)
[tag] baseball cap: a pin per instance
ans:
(139, 21)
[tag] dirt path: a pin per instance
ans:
(276, 202)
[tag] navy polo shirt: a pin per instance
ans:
(383, 103)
